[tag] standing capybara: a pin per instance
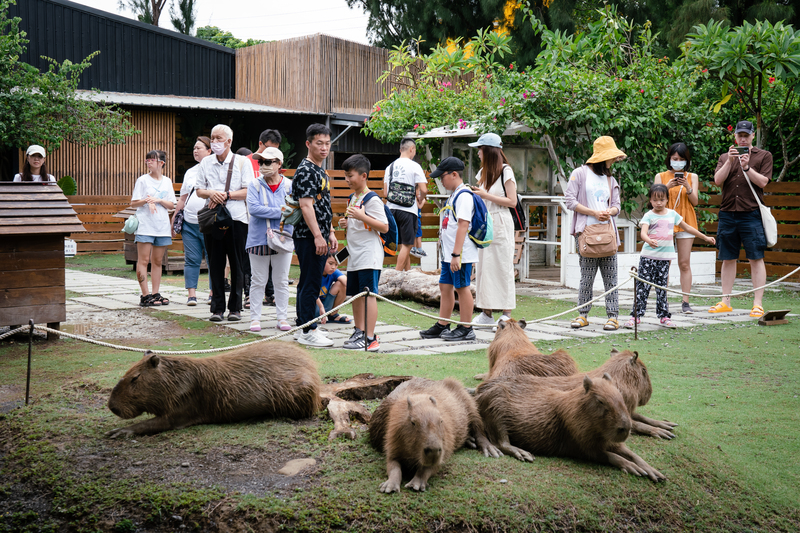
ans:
(524, 416)
(273, 380)
(419, 426)
(512, 353)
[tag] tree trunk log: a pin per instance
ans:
(415, 285)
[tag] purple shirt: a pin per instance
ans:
(576, 194)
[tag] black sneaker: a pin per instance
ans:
(435, 331)
(227, 285)
(461, 333)
(234, 317)
(686, 308)
(357, 341)
(216, 318)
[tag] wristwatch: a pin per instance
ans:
(455, 255)
(746, 169)
(229, 195)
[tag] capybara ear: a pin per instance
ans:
(614, 351)
(433, 400)
(606, 376)
(501, 324)
(522, 323)
(634, 358)
(587, 383)
(146, 354)
(153, 360)
(410, 405)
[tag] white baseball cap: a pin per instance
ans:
(36, 149)
(270, 153)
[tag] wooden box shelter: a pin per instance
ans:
(34, 219)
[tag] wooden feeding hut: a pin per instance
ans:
(34, 220)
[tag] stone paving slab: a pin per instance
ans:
(105, 303)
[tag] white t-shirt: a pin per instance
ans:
(661, 228)
(405, 170)
(448, 226)
(212, 174)
(153, 224)
(497, 189)
(35, 177)
(597, 195)
(194, 203)
(364, 245)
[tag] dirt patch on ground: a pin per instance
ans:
(96, 323)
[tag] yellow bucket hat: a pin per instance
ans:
(604, 149)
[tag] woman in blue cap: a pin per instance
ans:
(495, 268)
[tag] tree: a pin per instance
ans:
(147, 11)
(185, 18)
(224, 38)
(45, 108)
(753, 60)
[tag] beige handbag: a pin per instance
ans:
(598, 240)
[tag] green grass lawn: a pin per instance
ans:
(732, 389)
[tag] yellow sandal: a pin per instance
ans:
(579, 322)
(721, 308)
(757, 311)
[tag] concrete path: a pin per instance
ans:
(106, 292)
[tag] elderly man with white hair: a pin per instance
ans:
(214, 173)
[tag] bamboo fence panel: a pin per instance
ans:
(112, 169)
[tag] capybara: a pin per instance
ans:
(524, 416)
(512, 353)
(273, 380)
(419, 426)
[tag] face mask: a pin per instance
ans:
(267, 172)
(218, 148)
(678, 165)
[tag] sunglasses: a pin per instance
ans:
(268, 161)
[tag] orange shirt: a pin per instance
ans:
(679, 200)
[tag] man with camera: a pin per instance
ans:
(739, 215)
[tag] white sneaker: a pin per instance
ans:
(255, 325)
(299, 332)
(503, 318)
(483, 320)
(314, 339)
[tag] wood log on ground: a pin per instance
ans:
(342, 399)
(415, 285)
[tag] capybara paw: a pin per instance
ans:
(389, 487)
(480, 377)
(417, 485)
(470, 443)
(655, 475)
(490, 450)
(662, 434)
(522, 455)
(120, 433)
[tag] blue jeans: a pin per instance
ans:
(311, 267)
(193, 250)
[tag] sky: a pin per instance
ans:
(266, 19)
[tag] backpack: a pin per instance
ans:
(390, 237)
(482, 227)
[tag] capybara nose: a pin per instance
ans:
(115, 411)
(433, 451)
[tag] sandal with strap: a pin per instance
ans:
(721, 308)
(146, 300)
(247, 303)
(612, 324)
(579, 322)
(757, 311)
(159, 300)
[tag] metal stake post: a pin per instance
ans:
(635, 309)
(30, 349)
(366, 339)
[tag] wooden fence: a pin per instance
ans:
(318, 74)
(104, 231)
(784, 199)
(112, 169)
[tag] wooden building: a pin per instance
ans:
(34, 219)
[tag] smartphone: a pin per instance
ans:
(679, 176)
(342, 255)
(743, 150)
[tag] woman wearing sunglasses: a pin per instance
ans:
(265, 197)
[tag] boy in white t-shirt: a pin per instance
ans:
(365, 219)
(459, 253)
(658, 251)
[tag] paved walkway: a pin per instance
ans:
(106, 292)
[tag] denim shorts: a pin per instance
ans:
(459, 279)
(358, 279)
(737, 229)
(155, 241)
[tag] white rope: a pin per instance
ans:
(635, 276)
(15, 331)
(189, 352)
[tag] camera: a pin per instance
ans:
(743, 150)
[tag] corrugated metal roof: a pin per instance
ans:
(183, 102)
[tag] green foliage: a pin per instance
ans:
(184, 19)
(752, 60)
(224, 38)
(287, 148)
(45, 108)
(68, 185)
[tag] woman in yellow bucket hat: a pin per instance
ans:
(593, 197)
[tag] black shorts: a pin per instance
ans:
(406, 226)
(737, 229)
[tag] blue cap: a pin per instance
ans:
(488, 139)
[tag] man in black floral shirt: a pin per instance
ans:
(314, 235)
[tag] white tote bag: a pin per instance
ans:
(769, 222)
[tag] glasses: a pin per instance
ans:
(268, 161)
(149, 160)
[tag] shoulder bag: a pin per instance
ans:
(769, 222)
(401, 194)
(131, 225)
(598, 240)
(517, 212)
(177, 221)
(218, 217)
(281, 241)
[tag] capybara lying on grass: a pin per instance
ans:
(512, 353)
(524, 416)
(272, 380)
(419, 426)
